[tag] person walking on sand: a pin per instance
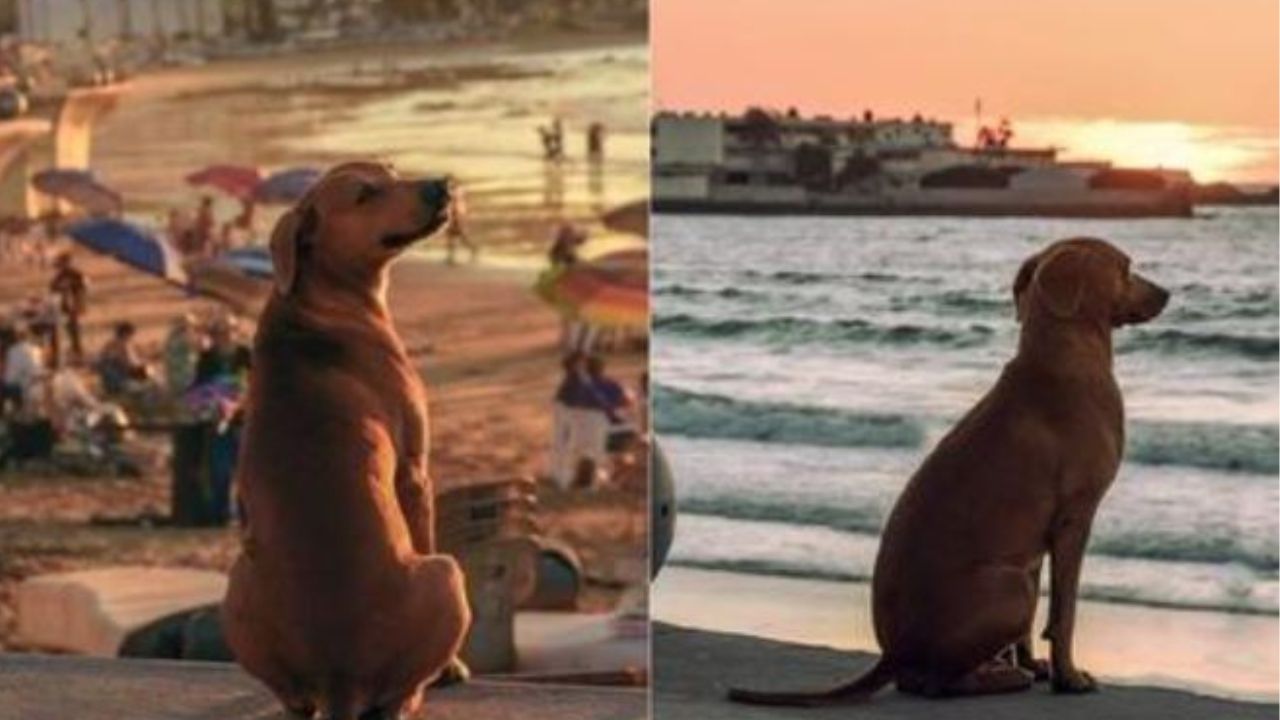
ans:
(595, 141)
(455, 232)
(72, 291)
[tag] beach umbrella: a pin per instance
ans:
(286, 186)
(78, 187)
(254, 261)
(238, 181)
(609, 291)
(131, 245)
(631, 218)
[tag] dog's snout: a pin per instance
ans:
(434, 194)
(1161, 296)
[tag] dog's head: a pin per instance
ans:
(1085, 279)
(353, 222)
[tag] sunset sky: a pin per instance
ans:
(1179, 83)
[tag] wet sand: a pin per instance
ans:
(694, 668)
(1226, 655)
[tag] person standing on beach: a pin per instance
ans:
(72, 291)
(226, 362)
(595, 142)
(455, 231)
(202, 229)
(23, 365)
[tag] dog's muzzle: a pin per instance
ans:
(433, 194)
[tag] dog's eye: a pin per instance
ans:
(366, 193)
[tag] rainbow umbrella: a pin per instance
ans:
(238, 181)
(608, 291)
(78, 187)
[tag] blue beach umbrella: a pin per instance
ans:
(254, 261)
(286, 186)
(78, 187)
(131, 245)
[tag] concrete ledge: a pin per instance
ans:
(41, 687)
(92, 611)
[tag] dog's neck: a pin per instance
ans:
(1066, 347)
(339, 300)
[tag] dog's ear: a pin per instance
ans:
(1061, 279)
(291, 233)
(1020, 284)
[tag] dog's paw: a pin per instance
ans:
(1074, 682)
(455, 673)
(1038, 667)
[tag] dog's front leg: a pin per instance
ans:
(413, 492)
(1066, 555)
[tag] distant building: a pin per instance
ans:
(68, 21)
(767, 161)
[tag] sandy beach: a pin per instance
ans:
(697, 666)
(487, 346)
(1225, 655)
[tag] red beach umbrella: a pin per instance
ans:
(238, 181)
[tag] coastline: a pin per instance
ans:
(698, 665)
(1222, 655)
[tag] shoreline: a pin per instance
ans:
(695, 667)
(1221, 655)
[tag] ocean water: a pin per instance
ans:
(804, 366)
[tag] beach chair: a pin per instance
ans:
(490, 528)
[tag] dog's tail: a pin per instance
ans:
(859, 689)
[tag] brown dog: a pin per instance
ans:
(338, 601)
(1018, 478)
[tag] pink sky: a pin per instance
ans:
(1200, 77)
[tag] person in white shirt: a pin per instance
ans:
(23, 365)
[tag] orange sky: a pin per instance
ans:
(1199, 79)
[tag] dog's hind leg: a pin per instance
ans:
(1023, 652)
(249, 635)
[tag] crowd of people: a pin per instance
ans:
(52, 389)
(198, 234)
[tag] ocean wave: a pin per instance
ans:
(1214, 446)
(798, 277)
(1227, 599)
(1220, 546)
(1172, 341)
(790, 330)
(705, 415)
(724, 293)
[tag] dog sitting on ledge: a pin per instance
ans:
(338, 601)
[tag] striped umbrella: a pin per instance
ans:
(238, 181)
(609, 291)
(78, 187)
(131, 245)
